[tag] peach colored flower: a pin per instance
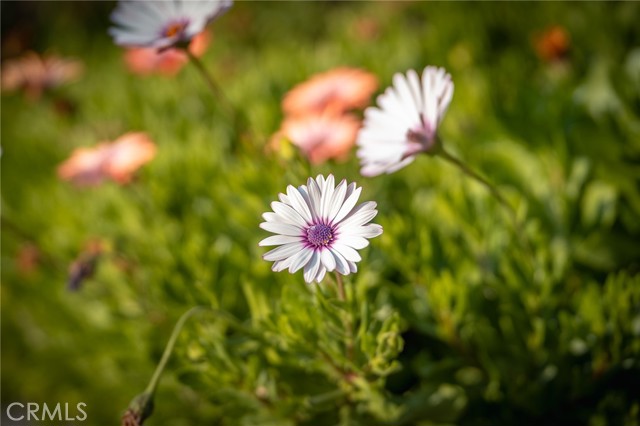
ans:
(552, 44)
(116, 160)
(322, 137)
(337, 90)
(34, 74)
(150, 60)
(128, 154)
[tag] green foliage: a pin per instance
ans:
(456, 316)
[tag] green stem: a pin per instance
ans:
(348, 324)
(141, 406)
(153, 383)
(213, 86)
(444, 154)
(469, 172)
(341, 294)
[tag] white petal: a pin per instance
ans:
(311, 268)
(341, 263)
(348, 253)
(288, 213)
(283, 252)
(328, 260)
(280, 265)
(299, 203)
(281, 228)
(355, 242)
(315, 195)
(321, 273)
(327, 194)
(300, 259)
(367, 231)
(336, 200)
(304, 191)
(360, 215)
(347, 206)
(276, 240)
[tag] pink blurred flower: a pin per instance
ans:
(116, 160)
(322, 137)
(34, 74)
(149, 60)
(337, 90)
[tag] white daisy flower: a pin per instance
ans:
(405, 122)
(161, 24)
(319, 228)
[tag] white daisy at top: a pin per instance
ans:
(319, 228)
(159, 23)
(405, 122)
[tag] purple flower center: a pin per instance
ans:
(422, 135)
(320, 235)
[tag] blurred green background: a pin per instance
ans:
(456, 323)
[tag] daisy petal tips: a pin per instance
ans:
(405, 121)
(162, 24)
(319, 228)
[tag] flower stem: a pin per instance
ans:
(341, 294)
(213, 86)
(348, 324)
(443, 153)
(141, 406)
(153, 383)
(469, 172)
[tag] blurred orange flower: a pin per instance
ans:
(150, 60)
(116, 160)
(337, 90)
(321, 137)
(552, 44)
(34, 74)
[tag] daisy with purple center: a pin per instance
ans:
(319, 228)
(405, 123)
(163, 24)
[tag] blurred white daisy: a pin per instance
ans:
(405, 123)
(319, 228)
(161, 24)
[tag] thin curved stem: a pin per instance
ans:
(444, 154)
(168, 350)
(488, 185)
(213, 86)
(153, 383)
(141, 407)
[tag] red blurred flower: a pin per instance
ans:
(322, 137)
(337, 90)
(116, 160)
(552, 44)
(34, 74)
(150, 60)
